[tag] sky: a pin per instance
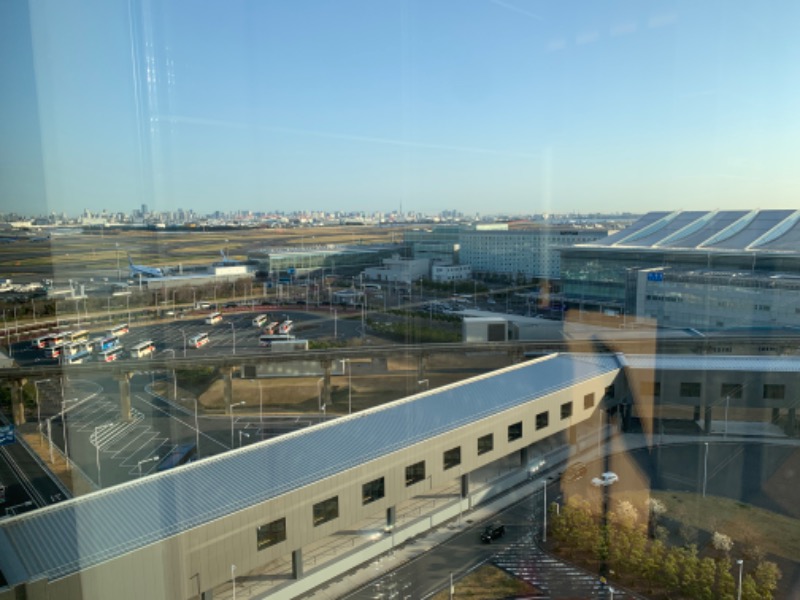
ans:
(481, 106)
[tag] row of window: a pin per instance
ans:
(327, 510)
(691, 389)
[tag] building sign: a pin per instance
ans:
(655, 276)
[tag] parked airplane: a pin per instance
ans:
(143, 270)
(228, 261)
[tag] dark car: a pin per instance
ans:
(574, 472)
(492, 532)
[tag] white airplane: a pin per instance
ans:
(143, 270)
(228, 261)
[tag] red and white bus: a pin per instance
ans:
(143, 349)
(200, 340)
(118, 330)
(111, 355)
(214, 318)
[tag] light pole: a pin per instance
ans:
(544, 530)
(349, 385)
(64, 429)
(196, 427)
(319, 392)
(242, 403)
(233, 580)
(740, 562)
(261, 410)
(334, 324)
(705, 469)
(97, 452)
(174, 377)
(242, 433)
(727, 401)
(183, 333)
(233, 329)
(38, 406)
(142, 462)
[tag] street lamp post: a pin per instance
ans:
(64, 429)
(740, 562)
(544, 529)
(261, 410)
(349, 385)
(242, 403)
(97, 452)
(38, 407)
(727, 402)
(233, 329)
(142, 462)
(183, 333)
(242, 433)
(174, 377)
(705, 469)
(319, 392)
(233, 581)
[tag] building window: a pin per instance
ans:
(271, 534)
(651, 388)
(327, 510)
(774, 391)
(514, 431)
(542, 420)
(566, 410)
(691, 389)
(372, 491)
(452, 458)
(415, 473)
(730, 390)
(485, 444)
(588, 401)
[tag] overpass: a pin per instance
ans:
(176, 534)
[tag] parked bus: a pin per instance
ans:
(119, 330)
(41, 342)
(108, 343)
(200, 340)
(75, 359)
(259, 320)
(271, 328)
(214, 318)
(53, 351)
(111, 355)
(267, 339)
(286, 326)
(56, 339)
(143, 349)
(179, 455)
(288, 345)
(78, 337)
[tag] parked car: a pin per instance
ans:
(492, 532)
(574, 472)
(606, 479)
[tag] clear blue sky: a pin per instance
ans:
(484, 106)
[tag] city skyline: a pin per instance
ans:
(484, 107)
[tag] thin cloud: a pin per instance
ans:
(516, 9)
(343, 136)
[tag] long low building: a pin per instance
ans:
(176, 534)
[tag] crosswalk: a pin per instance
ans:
(553, 577)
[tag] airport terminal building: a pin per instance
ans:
(703, 269)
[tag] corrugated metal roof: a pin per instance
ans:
(750, 364)
(680, 221)
(716, 223)
(638, 225)
(761, 224)
(79, 533)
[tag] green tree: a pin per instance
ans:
(689, 570)
(726, 585)
(706, 577)
(671, 571)
(766, 576)
(750, 589)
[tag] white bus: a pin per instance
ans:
(57, 339)
(286, 326)
(78, 337)
(266, 340)
(111, 355)
(41, 342)
(75, 359)
(118, 330)
(259, 320)
(214, 318)
(271, 327)
(288, 345)
(200, 340)
(143, 349)
(53, 351)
